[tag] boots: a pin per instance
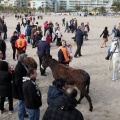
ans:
(108, 56)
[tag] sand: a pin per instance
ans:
(104, 92)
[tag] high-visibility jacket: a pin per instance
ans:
(21, 43)
(66, 54)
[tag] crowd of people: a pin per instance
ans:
(20, 83)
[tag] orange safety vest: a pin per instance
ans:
(66, 54)
(21, 43)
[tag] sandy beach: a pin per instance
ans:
(104, 92)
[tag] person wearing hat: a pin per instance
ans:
(21, 45)
(43, 49)
(12, 41)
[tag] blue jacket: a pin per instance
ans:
(79, 36)
(43, 48)
(38, 37)
(54, 95)
(28, 30)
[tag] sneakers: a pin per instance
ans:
(12, 111)
(1, 111)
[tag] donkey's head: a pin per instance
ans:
(45, 60)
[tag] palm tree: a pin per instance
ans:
(40, 9)
(95, 9)
(85, 10)
(77, 8)
(61, 8)
(48, 9)
(102, 10)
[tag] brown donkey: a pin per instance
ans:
(77, 77)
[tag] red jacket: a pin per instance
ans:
(48, 39)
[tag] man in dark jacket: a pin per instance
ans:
(65, 110)
(18, 28)
(79, 41)
(32, 95)
(56, 91)
(12, 41)
(43, 49)
(19, 73)
(3, 47)
(28, 33)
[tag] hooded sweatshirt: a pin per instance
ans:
(54, 95)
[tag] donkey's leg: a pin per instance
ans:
(81, 97)
(89, 100)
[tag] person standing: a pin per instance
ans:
(79, 41)
(28, 33)
(12, 41)
(32, 95)
(59, 36)
(19, 72)
(18, 28)
(43, 49)
(5, 86)
(4, 31)
(105, 34)
(63, 22)
(87, 29)
(56, 91)
(21, 45)
(65, 110)
(3, 47)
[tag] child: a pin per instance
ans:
(69, 47)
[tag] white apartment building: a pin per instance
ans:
(70, 4)
(43, 3)
(14, 3)
(55, 4)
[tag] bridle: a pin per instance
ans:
(117, 44)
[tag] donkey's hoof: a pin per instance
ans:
(91, 109)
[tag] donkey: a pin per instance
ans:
(77, 77)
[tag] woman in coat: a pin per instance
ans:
(105, 34)
(5, 86)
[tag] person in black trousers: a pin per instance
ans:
(79, 41)
(5, 31)
(12, 41)
(5, 86)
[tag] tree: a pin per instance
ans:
(85, 10)
(95, 9)
(116, 6)
(40, 9)
(48, 9)
(77, 8)
(61, 8)
(102, 10)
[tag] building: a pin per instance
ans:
(55, 4)
(70, 4)
(14, 3)
(44, 3)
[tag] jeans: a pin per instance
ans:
(21, 109)
(34, 114)
(28, 39)
(109, 49)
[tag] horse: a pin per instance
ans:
(115, 50)
(75, 77)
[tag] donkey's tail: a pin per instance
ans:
(88, 84)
